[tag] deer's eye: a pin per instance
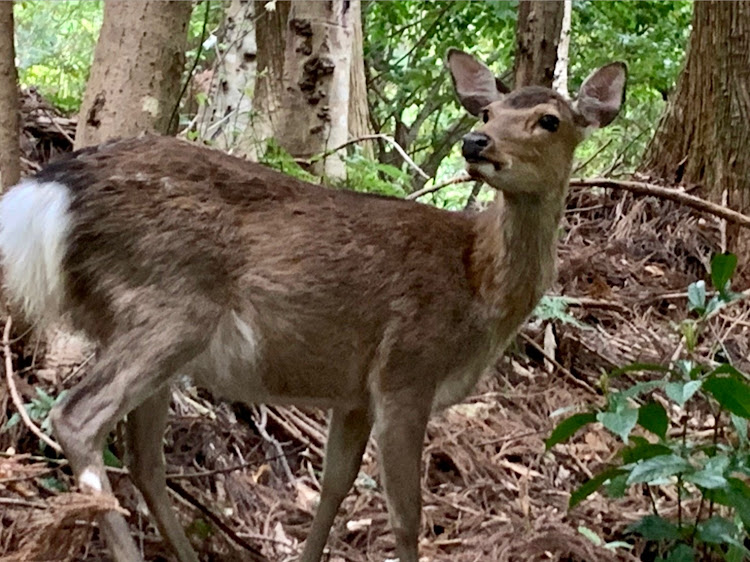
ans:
(485, 115)
(549, 123)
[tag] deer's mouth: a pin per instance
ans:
(480, 166)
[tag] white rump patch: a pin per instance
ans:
(34, 224)
(90, 480)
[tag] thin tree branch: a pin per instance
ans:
(438, 186)
(671, 194)
(14, 391)
(376, 136)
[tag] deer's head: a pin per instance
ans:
(527, 141)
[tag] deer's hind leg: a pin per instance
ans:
(145, 435)
(134, 366)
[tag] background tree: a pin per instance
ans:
(317, 63)
(703, 134)
(537, 36)
(228, 106)
(10, 150)
(135, 76)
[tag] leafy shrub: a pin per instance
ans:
(714, 469)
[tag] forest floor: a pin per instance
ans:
(491, 491)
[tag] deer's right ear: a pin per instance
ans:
(475, 85)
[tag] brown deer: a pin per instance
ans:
(178, 259)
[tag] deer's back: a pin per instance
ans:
(308, 273)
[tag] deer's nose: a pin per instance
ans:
(474, 144)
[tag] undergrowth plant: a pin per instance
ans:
(707, 470)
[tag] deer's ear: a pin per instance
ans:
(602, 94)
(475, 85)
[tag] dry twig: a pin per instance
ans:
(14, 391)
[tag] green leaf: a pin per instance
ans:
(718, 530)
(659, 467)
(568, 427)
(591, 486)
(653, 417)
(681, 392)
(681, 553)
(655, 528)
(642, 449)
(617, 486)
(740, 426)
(731, 393)
(711, 476)
(620, 422)
(738, 496)
(697, 297)
(590, 535)
(722, 268)
(110, 459)
(641, 387)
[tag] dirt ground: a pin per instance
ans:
(491, 492)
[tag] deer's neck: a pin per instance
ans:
(514, 255)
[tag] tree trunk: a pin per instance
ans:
(703, 135)
(317, 62)
(560, 81)
(359, 117)
(135, 77)
(227, 113)
(10, 150)
(270, 35)
(537, 36)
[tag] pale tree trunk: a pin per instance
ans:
(227, 113)
(270, 34)
(359, 118)
(135, 77)
(10, 150)
(560, 81)
(317, 60)
(537, 36)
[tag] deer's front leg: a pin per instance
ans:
(347, 440)
(401, 420)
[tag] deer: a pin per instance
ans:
(181, 260)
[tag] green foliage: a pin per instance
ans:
(708, 470)
(38, 410)
(556, 308)
(651, 38)
(55, 46)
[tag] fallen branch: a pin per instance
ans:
(14, 391)
(671, 194)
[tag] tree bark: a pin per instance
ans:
(317, 63)
(227, 112)
(135, 77)
(10, 150)
(359, 110)
(703, 136)
(270, 34)
(560, 81)
(537, 36)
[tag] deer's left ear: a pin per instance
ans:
(602, 94)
